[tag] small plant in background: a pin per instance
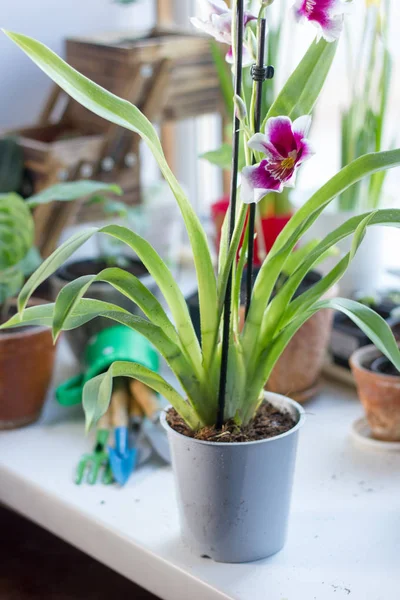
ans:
(18, 255)
(364, 121)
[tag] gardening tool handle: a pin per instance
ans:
(145, 398)
(135, 410)
(104, 423)
(119, 407)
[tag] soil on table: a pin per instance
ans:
(269, 422)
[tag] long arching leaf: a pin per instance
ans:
(152, 261)
(123, 113)
(126, 283)
(302, 221)
(370, 322)
(97, 392)
(301, 91)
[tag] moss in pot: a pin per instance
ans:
(234, 496)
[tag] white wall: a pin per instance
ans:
(23, 87)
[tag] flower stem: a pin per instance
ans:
(237, 50)
(256, 106)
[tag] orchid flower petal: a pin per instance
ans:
(257, 181)
(285, 147)
(260, 142)
(326, 15)
(302, 125)
(247, 58)
(279, 132)
(217, 22)
(307, 151)
(210, 7)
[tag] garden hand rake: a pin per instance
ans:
(92, 463)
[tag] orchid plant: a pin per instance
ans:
(272, 161)
(273, 203)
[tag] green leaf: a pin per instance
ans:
(72, 190)
(300, 222)
(123, 113)
(151, 261)
(297, 257)
(97, 392)
(372, 324)
(168, 286)
(224, 73)
(50, 266)
(352, 173)
(16, 230)
(30, 262)
(276, 313)
(126, 283)
(230, 257)
(222, 157)
(33, 315)
(87, 309)
(11, 281)
(303, 87)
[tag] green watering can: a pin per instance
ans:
(113, 344)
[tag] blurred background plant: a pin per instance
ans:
(19, 256)
(364, 121)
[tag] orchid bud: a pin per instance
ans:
(240, 108)
(266, 3)
(252, 44)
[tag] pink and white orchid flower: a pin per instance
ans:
(218, 23)
(285, 147)
(326, 15)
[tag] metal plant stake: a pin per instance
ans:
(259, 73)
(232, 213)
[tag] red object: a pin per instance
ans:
(271, 226)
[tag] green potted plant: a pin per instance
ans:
(364, 128)
(233, 446)
(26, 355)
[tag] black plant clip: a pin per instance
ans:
(263, 73)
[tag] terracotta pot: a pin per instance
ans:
(26, 366)
(297, 371)
(379, 394)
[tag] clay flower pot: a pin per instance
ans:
(26, 366)
(379, 393)
(298, 369)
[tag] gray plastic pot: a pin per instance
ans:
(234, 499)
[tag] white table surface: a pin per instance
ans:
(344, 537)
